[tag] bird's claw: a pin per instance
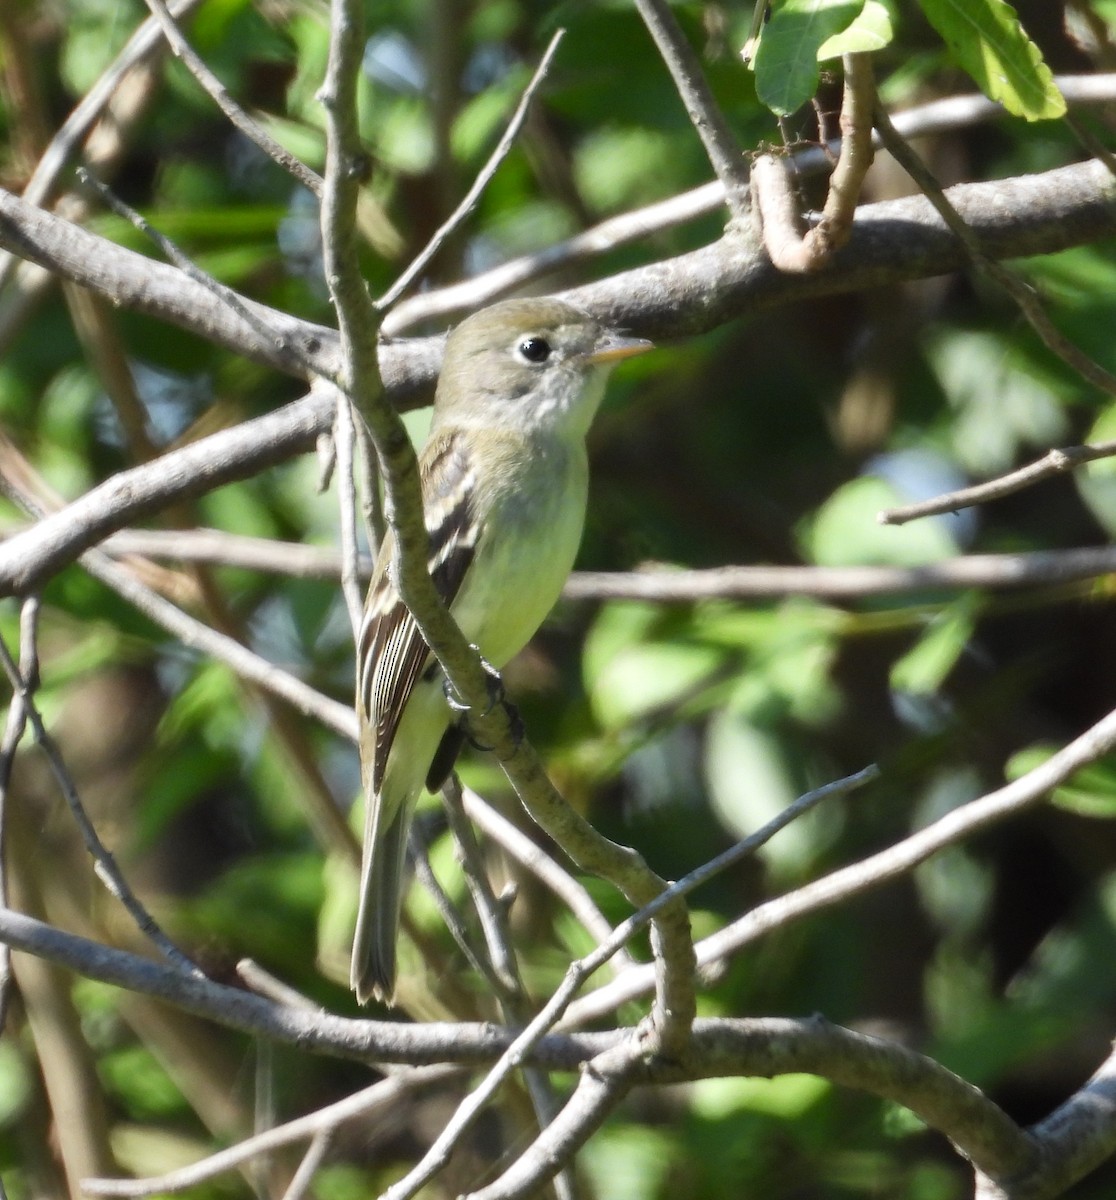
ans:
(497, 697)
(493, 683)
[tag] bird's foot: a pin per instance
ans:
(497, 698)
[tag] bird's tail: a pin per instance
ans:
(381, 893)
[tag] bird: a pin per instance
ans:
(504, 477)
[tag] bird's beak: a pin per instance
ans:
(612, 348)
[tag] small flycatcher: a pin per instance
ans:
(504, 479)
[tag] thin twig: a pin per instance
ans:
(447, 911)
(705, 114)
(937, 116)
(229, 298)
(378, 1097)
(1054, 462)
(77, 126)
(791, 249)
(610, 234)
(265, 984)
(578, 972)
(1018, 289)
(308, 1168)
(14, 729)
(514, 842)
(104, 864)
(471, 1107)
(219, 94)
(871, 872)
(484, 177)
(491, 913)
(196, 635)
(601, 1087)
(372, 505)
(501, 960)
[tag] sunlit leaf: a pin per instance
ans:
(845, 531)
(786, 60)
(923, 669)
(871, 30)
(1096, 481)
(987, 39)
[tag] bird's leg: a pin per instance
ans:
(497, 696)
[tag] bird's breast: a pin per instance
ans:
(532, 530)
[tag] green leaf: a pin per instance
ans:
(786, 62)
(642, 680)
(988, 41)
(923, 669)
(788, 1097)
(872, 30)
(1096, 482)
(751, 775)
(845, 531)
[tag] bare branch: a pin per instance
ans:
(1018, 289)
(57, 539)
(76, 128)
(295, 560)
(1075, 1139)
(705, 114)
(1032, 568)
(601, 1086)
(1054, 462)
(656, 582)
(104, 863)
(891, 241)
(979, 1129)
(484, 176)
(871, 872)
(936, 116)
(718, 1047)
(344, 438)
(308, 1168)
(14, 728)
(520, 847)
(219, 94)
(183, 262)
(135, 281)
(378, 1097)
(503, 965)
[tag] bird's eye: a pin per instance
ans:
(534, 349)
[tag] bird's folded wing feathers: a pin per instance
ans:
(392, 653)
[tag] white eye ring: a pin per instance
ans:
(533, 349)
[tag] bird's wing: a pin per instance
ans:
(392, 653)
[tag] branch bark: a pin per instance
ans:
(891, 242)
